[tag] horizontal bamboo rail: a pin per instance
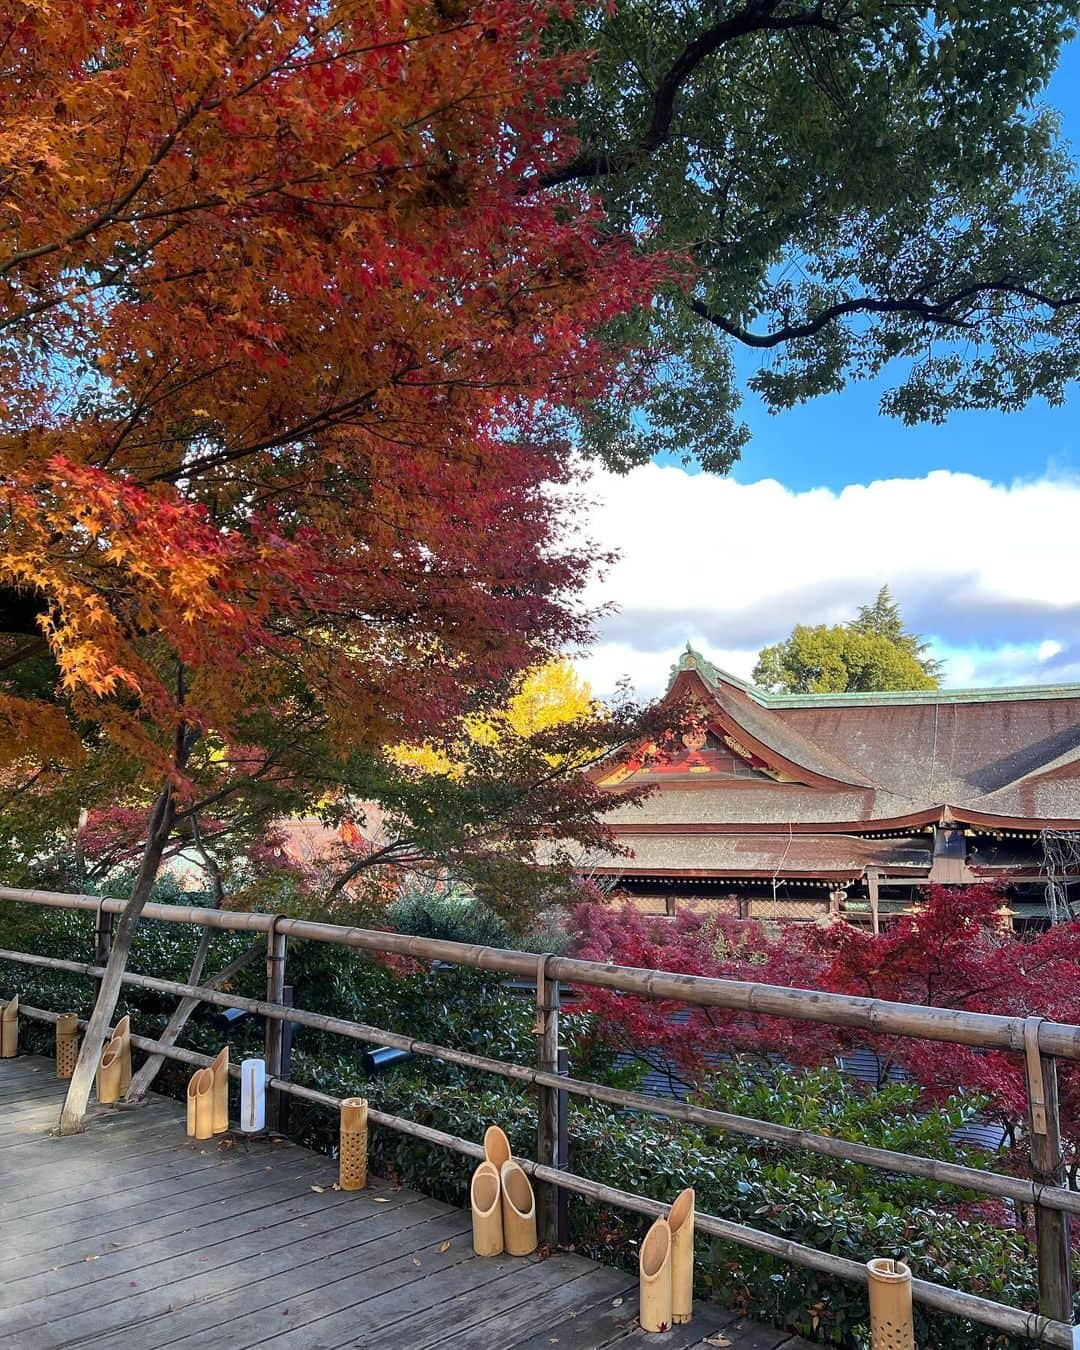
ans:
(940, 1297)
(994, 1184)
(1036, 1037)
(874, 1016)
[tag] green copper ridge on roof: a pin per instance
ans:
(693, 660)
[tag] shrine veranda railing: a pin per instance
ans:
(1041, 1042)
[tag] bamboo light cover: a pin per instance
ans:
(67, 1044)
(9, 1029)
(496, 1147)
(891, 1326)
(485, 1198)
(654, 1278)
(220, 1070)
(518, 1210)
(200, 1104)
(253, 1095)
(122, 1033)
(353, 1147)
(110, 1069)
(681, 1222)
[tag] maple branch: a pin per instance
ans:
(23, 653)
(758, 17)
(397, 851)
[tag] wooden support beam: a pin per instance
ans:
(141, 1081)
(277, 944)
(547, 1061)
(1052, 1236)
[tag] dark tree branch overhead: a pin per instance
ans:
(942, 312)
(758, 17)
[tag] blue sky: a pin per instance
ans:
(975, 525)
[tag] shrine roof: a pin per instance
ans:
(837, 858)
(1008, 755)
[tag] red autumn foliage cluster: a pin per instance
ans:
(957, 950)
(282, 341)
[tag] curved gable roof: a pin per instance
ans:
(1004, 752)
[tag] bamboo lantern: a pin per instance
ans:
(253, 1095)
(518, 1210)
(122, 1033)
(9, 1029)
(200, 1104)
(220, 1070)
(485, 1197)
(654, 1278)
(352, 1149)
(891, 1327)
(681, 1223)
(110, 1070)
(496, 1147)
(67, 1044)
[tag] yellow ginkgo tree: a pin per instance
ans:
(547, 698)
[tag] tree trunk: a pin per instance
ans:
(78, 1093)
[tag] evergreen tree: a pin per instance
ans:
(873, 651)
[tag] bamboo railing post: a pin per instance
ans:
(1052, 1238)
(287, 1031)
(547, 1060)
(276, 950)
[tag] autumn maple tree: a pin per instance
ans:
(282, 348)
(956, 949)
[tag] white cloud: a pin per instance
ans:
(988, 572)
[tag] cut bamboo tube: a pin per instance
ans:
(353, 1144)
(220, 1070)
(122, 1033)
(891, 1327)
(485, 1197)
(109, 1072)
(201, 1105)
(67, 1044)
(518, 1210)
(496, 1147)
(9, 1029)
(190, 1099)
(654, 1278)
(681, 1222)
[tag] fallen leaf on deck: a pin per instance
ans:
(444, 1246)
(381, 1200)
(416, 1260)
(616, 1302)
(319, 1189)
(717, 1340)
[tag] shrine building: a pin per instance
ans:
(797, 805)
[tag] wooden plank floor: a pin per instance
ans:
(132, 1234)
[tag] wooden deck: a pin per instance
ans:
(132, 1234)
